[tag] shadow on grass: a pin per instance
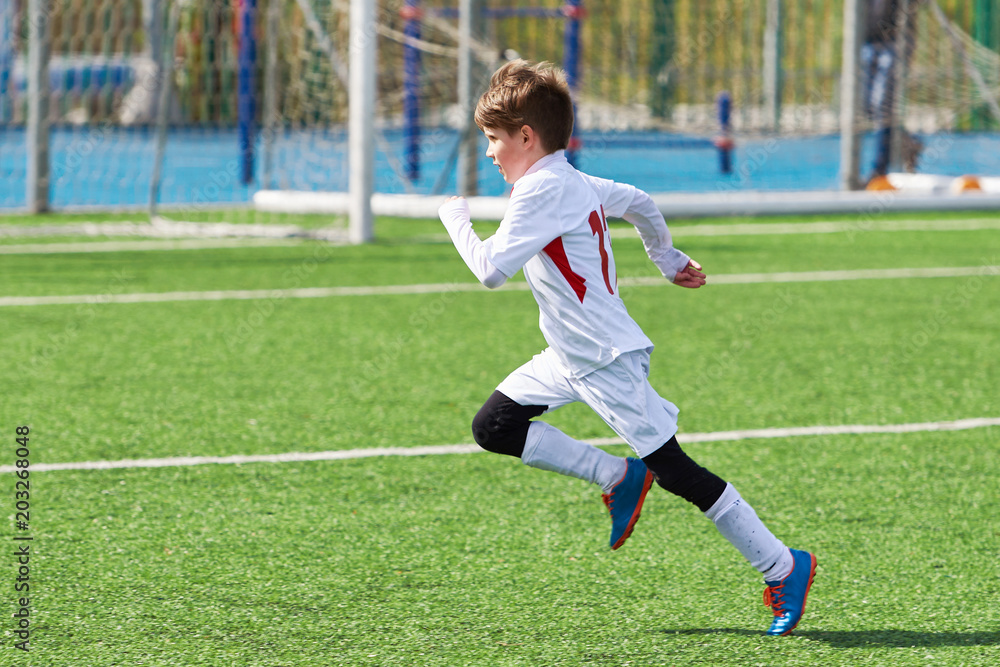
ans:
(860, 638)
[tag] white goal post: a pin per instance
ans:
(361, 139)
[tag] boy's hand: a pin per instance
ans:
(455, 211)
(690, 276)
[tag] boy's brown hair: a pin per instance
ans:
(533, 94)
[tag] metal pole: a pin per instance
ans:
(724, 142)
(411, 90)
(7, 55)
(39, 48)
(574, 11)
(361, 121)
(246, 104)
(850, 95)
(772, 66)
(571, 42)
(662, 51)
(985, 35)
(985, 24)
(152, 23)
(270, 91)
(900, 74)
(469, 23)
(165, 75)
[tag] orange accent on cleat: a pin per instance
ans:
(787, 598)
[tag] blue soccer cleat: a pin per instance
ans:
(626, 498)
(787, 598)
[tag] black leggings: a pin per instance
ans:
(501, 426)
(676, 472)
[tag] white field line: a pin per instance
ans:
(295, 457)
(130, 246)
(158, 227)
(783, 228)
(856, 227)
(440, 288)
(278, 235)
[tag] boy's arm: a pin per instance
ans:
(672, 263)
(621, 200)
(457, 219)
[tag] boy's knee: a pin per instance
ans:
(501, 425)
(484, 427)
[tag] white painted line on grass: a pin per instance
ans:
(847, 429)
(832, 227)
(290, 457)
(441, 288)
(432, 450)
(229, 295)
(281, 235)
(127, 246)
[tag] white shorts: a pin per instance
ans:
(619, 392)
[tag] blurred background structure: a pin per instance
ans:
(132, 103)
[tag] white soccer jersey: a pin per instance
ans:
(555, 229)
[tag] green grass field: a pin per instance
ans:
(475, 559)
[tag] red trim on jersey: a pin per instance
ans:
(557, 253)
(599, 226)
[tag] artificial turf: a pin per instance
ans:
(476, 559)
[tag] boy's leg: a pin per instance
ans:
(625, 481)
(676, 472)
(788, 573)
(504, 426)
(641, 417)
(621, 394)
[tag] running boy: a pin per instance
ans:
(555, 230)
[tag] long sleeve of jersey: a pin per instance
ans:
(636, 207)
(648, 221)
(457, 219)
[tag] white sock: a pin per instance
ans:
(738, 523)
(548, 448)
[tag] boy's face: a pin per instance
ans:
(511, 152)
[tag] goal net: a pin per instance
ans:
(649, 80)
(942, 96)
(255, 100)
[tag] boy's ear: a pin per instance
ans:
(527, 136)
